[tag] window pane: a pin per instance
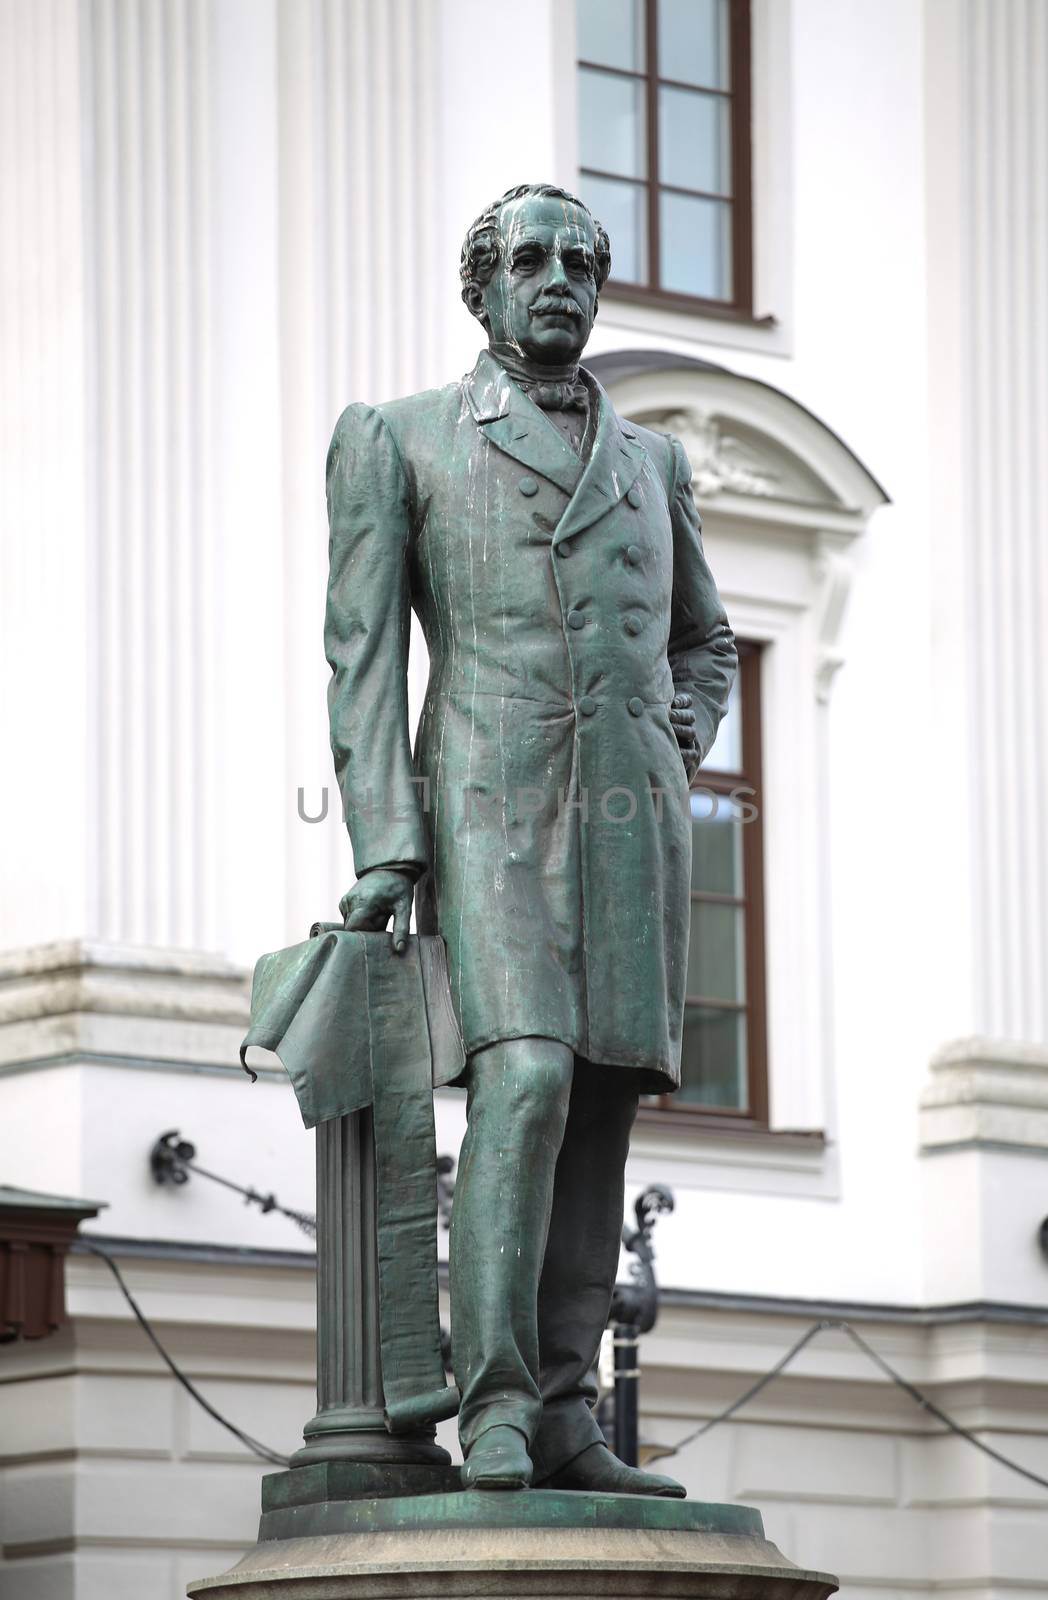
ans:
(716, 952)
(713, 1058)
(696, 246)
(694, 42)
(726, 754)
(694, 140)
(611, 32)
(622, 209)
(611, 123)
(716, 844)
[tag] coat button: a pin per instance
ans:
(633, 625)
(528, 486)
(635, 707)
(576, 619)
(587, 705)
(633, 555)
(565, 549)
(634, 497)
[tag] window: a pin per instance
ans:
(664, 145)
(723, 1065)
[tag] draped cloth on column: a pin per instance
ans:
(356, 1025)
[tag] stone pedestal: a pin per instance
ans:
(535, 1543)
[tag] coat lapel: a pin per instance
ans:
(515, 424)
(506, 416)
(615, 463)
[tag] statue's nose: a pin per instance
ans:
(555, 274)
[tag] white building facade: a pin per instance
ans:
(222, 220)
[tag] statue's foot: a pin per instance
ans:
(597, 1470)
(498, 1459)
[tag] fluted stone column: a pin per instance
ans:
(987, 212)
(349, 1425)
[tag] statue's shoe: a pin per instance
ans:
(597, 1470)
(498, 1460)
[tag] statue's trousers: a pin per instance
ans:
(356, 1025)
(535, 1237)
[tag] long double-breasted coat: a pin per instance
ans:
(564, 603)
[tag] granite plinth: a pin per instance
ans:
(540, 1543)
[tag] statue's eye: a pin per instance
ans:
(526, 260)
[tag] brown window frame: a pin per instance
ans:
(750, 781)
(740, 306)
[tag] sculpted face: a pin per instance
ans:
(542, 297)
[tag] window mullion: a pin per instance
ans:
(681, 83)
(612, 72)
(652, 65)
(741, 157)
(614, 177)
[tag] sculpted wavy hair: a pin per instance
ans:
(482, 246)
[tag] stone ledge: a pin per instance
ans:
(82, 998)
(77, 975)
(67, 955)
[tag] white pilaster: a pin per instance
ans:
(44, 696)
(152, 576)
(987, 141)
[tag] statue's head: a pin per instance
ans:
(532, 267)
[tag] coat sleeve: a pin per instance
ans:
(366, 634)
(702, 652)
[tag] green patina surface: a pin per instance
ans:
(333, 1481)
(567, 605)
(532, 1508)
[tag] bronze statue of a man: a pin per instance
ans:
(580, 662)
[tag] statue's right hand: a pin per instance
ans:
(374, 898)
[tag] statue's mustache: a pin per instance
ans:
(547, 303)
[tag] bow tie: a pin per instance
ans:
(558, 396)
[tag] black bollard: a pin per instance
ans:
(627, 1376)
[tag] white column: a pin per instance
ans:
(151, 593)
(44, 692)
(250, 800)
(987, 64)
(363, 316)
